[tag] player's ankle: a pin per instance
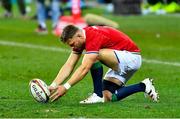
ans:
(99, 94)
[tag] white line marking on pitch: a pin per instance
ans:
(161, 62)
(32, 46)
(56, 49)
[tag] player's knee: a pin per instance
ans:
(107, 95)
(108, 89)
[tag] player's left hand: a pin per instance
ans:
(60, 91)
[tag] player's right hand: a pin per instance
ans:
(52, 89)
(59, 91)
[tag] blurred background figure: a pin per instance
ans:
(7, 4)
(68, 5)
(109, 7)
(41, 14)
(127, 7)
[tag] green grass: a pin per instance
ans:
(157, 36)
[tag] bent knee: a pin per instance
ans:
(107, 95)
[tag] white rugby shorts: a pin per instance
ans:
(129, 63)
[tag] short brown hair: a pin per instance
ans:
(68, 32)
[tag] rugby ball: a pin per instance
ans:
(39, 90)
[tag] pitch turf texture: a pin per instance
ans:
(157, 36)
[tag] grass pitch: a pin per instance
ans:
(157, 36)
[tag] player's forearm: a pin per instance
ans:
(64, 72)
(78, 75)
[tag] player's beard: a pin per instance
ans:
(79, 46)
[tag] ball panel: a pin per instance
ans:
(39, 90)
(44, 87)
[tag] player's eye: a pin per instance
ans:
(78, 36)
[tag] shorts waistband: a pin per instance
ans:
(136, 53)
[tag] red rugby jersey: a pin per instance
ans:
(99, 37)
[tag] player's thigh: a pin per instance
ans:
(114, 80)
(108, 57)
